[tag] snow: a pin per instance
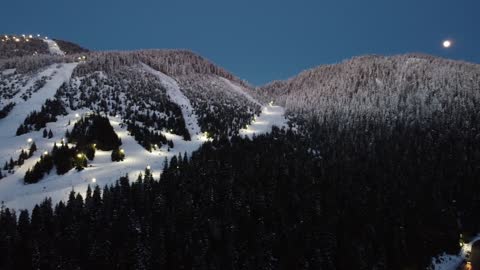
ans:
(271, 116)
(452, 262)
(9, 143)
(176, 96)
(53, 47)
(8, 71)
(237, 89)
(446, 262)
(16, 195)
(101, 171)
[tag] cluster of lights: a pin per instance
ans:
(82, 58)
(23, 37)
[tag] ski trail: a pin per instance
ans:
(9, 143)
(271, 116)
(53, 47)
(237, 89)
(16, 195)
(176, 96)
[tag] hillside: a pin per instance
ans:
(385, 88)
(162, 159)
(160, 103)
(28, 45)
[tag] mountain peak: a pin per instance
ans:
(31, 45)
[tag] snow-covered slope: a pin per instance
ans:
(9, 143)
(53, 47)
(386, 88)
(127, 91)
(237, 89)
(175, 95)
(271, 116)
(453, 262)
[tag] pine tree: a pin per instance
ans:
(32, 149)
(50, 134)
(11, 164)
(45, 133)
(118, 155)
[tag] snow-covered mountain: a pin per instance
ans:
(412, 86)
(380, 166)
(160, 103)
(25, 45)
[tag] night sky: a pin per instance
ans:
(261, 40)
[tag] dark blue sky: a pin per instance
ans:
(260, 40)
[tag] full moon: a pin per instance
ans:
(447, 44)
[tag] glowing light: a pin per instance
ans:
(94, 180)
(122, 151)
(38, 35)
(45, 153)
(30, 36)
(148, 167)
(447, 44)
(30, 140)
(79, 155)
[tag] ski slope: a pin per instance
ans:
(176, 96)
(9, 143)
(237, 89)
(101, 171)
(53, 47)
(453, 262)
(271, 116)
